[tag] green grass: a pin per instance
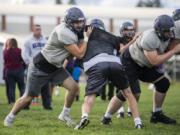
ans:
(37, 121)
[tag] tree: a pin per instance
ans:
(149, 3)
(58, 2)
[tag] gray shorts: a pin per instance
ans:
(37, 78)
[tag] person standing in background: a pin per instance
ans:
(13, 69)
(33, 46)
(4, 73)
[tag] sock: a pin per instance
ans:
(137, 120)
(66, 110)
(157, 109)
(128, 110)
(121, 110)
(11, 115)
(84, 115)
(108, 115)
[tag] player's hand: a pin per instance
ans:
(137, 35)
(89, 30)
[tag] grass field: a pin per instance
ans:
(37, 121)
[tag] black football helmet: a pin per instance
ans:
(75, 15)
(127, 30)
(164, 27)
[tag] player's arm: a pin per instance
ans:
(124, 47)
(26, 53)
(80, 50)
(173, 43)
(155, 59)
(77, 50)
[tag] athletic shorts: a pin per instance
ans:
(101, 73)
(136, 72)
(37, 78)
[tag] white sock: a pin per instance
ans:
(157, 109)
(121, 110)
(66, 110)
(128, 110)
(137, 120)
(108, 115)
(84, 115)
(11, 115)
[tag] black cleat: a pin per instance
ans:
(139, 126)
(160, 117)
(48, 108)
(129, 114)
(83, 123)
(106, 121)
(120, 115)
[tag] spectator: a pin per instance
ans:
(4, 73)
(13, 69)
(33, 46)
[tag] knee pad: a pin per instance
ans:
(162, 85)
(120, 96)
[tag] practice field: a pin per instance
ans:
(38, 121)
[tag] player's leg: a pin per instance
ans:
(115, 103)
(161, 87)
(62, 77)
(96, 81)
(119, 79)
(46, 96)
(132, 103)
(87, 106)
(136, 90)
(32, 89)
(161, 83)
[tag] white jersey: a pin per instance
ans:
(32, 47)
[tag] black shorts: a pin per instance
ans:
(101, 73)
(136, 72)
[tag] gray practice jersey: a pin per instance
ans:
(54, 51)
(177, 29)
(148, 41)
